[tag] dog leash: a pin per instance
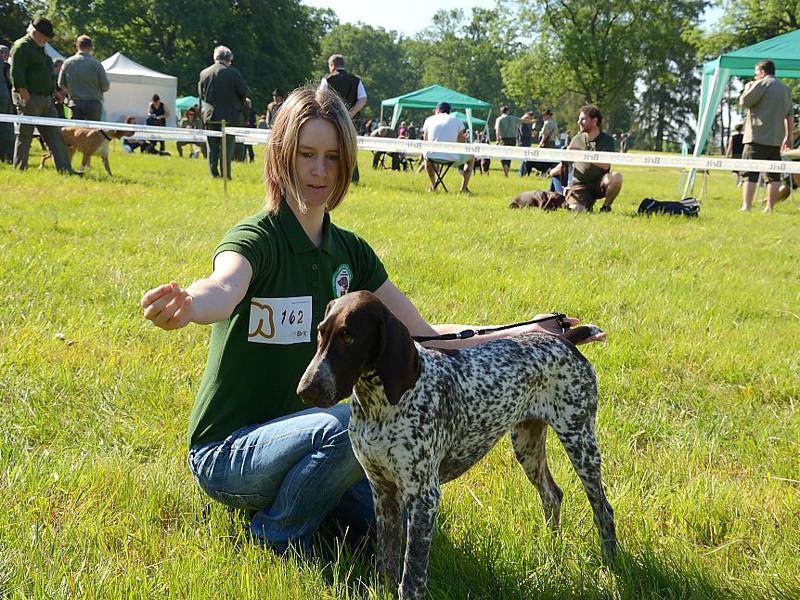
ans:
(105, 135)
(468, 333)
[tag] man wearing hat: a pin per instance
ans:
(33, 84)
(6, 108)
(547, 138)
(278, 96)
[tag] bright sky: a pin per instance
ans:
(416, 14)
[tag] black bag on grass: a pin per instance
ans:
(688, 207)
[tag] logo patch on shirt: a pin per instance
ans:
(342, 278)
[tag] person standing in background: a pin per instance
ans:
(222, 91)
(350, 88)
(6, 108)
(768, 128)
(85, 81)
(33, 84)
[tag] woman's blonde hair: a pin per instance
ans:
(280, 174)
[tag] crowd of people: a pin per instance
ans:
(32, 84)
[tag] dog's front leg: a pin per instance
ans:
(388, 516)
(421, 507)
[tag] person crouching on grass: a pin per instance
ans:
(253, 444)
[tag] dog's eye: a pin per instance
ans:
(347, 338)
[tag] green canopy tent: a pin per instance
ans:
(783, 50)
(186, 102)
(429, 97)
(464, 119)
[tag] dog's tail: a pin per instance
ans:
(582, 332)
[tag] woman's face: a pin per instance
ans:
(317, 161)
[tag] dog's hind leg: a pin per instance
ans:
(86, 162)
(580, 443)
(529, 441)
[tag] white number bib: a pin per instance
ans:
(280, 320)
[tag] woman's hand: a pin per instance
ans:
(553, 327)
(168, 306)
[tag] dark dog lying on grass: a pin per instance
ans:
(423, 417)
(538, 199)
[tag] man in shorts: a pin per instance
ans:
(591, 181)
(768, 127)
(444, 127)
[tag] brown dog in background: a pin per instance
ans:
(88, 142)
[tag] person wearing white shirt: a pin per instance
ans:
(444, 127)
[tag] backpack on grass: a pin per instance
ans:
(688, 207)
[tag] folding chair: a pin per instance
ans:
(440, 169)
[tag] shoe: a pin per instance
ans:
(605, 208)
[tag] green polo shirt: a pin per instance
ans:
(257, 356)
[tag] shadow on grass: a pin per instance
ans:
(479, 569)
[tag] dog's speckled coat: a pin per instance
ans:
(423, 417)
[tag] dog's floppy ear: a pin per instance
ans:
(397, 361)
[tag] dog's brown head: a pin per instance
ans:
(358, 335)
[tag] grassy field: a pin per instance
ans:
(699, 419)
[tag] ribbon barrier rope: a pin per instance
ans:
(260, 136)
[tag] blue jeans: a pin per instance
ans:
(292, 471)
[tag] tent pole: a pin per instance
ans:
(700, 139)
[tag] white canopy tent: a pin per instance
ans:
(132, 88)
(53, 53)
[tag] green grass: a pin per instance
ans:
(699, 419)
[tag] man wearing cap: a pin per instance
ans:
(222, 91)
(278, 96)
(547, 138)
(6, 108)
(85, 80)
(444, 127)
(33, 84)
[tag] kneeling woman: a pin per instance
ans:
(253, 444)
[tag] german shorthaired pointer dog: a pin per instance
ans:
(422, 417)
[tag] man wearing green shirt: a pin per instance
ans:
(591, 180)
(33, 84)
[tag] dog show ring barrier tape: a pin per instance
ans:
(260, 136)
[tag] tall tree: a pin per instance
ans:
(669, 83)
(466, 53)
(15, 19)
(752, 21)
(375, 55)
(274, 41)
(608, 54)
